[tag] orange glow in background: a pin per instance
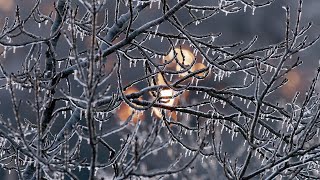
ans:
(183, 56)
(125, 111)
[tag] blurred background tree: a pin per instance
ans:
(119, 89)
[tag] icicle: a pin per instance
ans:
(161, 39)
(169, 118)
(213, 52)
(267, 67)
(171, 76)
(224, 105)
(245, 8)
(259, 129)
(267, 133)
(100, 125)
(134, 63)
(69, 27)
(195, 52)
(248, 104)
(207, 52)
(203, 11)
(207, 96)
(245, 79)
(150, 4)
(253, 9)
(228, 74)
(156, 31)
(222, 75)
(264, 158)
(39, 24)
(4, 52)
(282, 124)
(159, 4)
(14, 49)
(232, 136)
(95, 171)
(176, 43)
(82, 35)
(222, 127)
(214, 100)
(284, 147)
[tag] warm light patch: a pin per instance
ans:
(197, 67)
(169, 58)
(160, 80)
(291, 87)
(6, 5)
(184, 57)
(131, 90)
(125, 111)
(157, 112)
(166, 96)
(171, 115)
(166, 99)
